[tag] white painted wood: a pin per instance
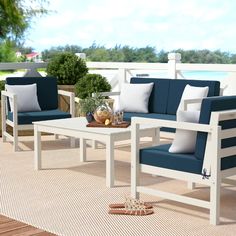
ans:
(15, 122)
(228, 172)
(224, 152)
(37, 149)
(213, 155)
(187, 102)
(135, 169)
(173, 59)
(229, 181)
(121, 77)
(108, 94)
(83, 150)
(227, 133)
(216, 179)
(175, 197)
(72, 142)
(3, 113)
(76, 127)
(110, 170)
(190, 185)
(180, 175)
(172, 124)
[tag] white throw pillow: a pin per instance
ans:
(192, 92)
(27, 99)
(135, 97)
(185, 140)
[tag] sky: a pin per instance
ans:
(163, 24)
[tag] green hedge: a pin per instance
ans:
(67, 68)
(91, 83)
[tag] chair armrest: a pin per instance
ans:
(4, 105)
(7, 94)
(186, 102)
(171, 124)
(107, 94)
(71, 95)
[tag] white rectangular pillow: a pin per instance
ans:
(185, 140)
(26, 96)
(135, 97)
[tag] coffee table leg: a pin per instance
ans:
(82, 149)
(37, 149)
(110, 173)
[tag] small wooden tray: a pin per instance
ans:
(124, 124)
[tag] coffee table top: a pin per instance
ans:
(79, 124)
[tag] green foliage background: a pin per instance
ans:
(91, 83)
(67, 68)
(144, 54)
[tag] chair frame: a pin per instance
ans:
(14, 124)
(213, 149)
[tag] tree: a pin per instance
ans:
(7, 53)
(16, 16)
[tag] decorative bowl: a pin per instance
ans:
(102, 113)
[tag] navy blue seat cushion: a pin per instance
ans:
(129, 115)
(46, 89)
(177, 87)
(159, 156)
(159, 95)
(29, 117)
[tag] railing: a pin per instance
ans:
(118, 72)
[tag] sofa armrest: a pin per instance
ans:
(71, 95)
(107, 94)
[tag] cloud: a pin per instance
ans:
(168, 24)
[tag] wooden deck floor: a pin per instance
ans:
(10, 227)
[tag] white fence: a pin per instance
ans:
(119, 72)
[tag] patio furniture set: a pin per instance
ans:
(202, 123)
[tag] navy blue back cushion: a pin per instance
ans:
(215, 104)
(158, 98)
(46, 89)
(177, 87)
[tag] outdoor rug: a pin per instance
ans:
(68, 197)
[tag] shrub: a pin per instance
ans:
(67, 68)
(2, 86)
(91, 83)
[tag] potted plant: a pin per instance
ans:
(89, 104)
(89, 84)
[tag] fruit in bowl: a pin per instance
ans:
(102, 113)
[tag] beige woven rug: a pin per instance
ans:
(70, 198)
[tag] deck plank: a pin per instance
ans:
(10, 227)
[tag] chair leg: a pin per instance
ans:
(56, 136)
(191, 185)
(215, 203)
(4, 128)
(94, 144)
(15, 139)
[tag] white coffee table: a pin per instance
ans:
(76, 127)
